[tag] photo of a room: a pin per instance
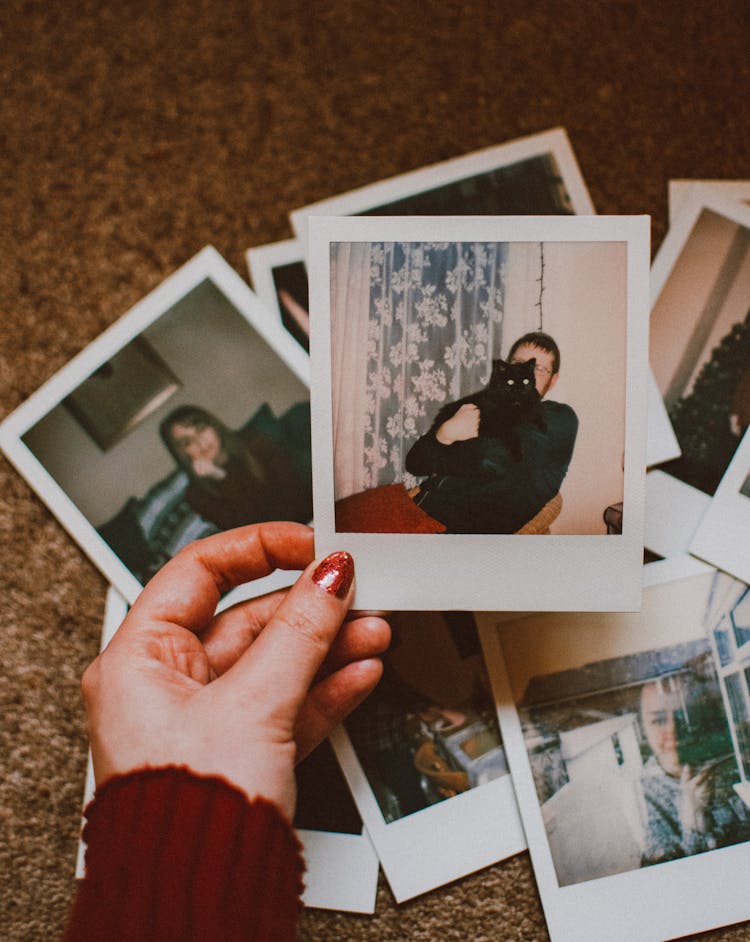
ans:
(417, 326)
(192, 427)
(429, 731)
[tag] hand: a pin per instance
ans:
(243, 694)
(205, 468)
(461, 426)
(695, 793)
(734, 425)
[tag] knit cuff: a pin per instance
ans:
(173, 856)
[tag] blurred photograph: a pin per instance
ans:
(700, 347)
(627, 737)
(429, 731)
(699, 350)
(424, 757)
(640, 749)
(194, 418)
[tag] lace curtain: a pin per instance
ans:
(414, 325)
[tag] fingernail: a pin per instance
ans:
(335, 573)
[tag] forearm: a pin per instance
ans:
(173, 856)
(428, 456)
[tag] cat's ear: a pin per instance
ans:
(498, 368)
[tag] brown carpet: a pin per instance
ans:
(134, 133)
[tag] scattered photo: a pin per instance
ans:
(722, 535)
(700, 350)
(341, 864)
(279, 277)
(189, 416)
(481, 377)
(681, 190)
(424, 757)
(535, 175)
(627, 738)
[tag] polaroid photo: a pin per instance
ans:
(188, 416)
(279, 277)
(341, 864)
(700, 349)
(425, 761)
(722, 535)
(411, 315)
(680, 190)
(627, 739)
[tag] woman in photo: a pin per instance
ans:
(261, 471)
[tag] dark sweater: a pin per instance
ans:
(173, 856)
(476, 486)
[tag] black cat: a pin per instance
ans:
(510, 399)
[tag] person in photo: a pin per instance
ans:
(258, 472)
(484, 483)
(687, 789)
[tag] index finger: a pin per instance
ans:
(285, 657)
(187, 589)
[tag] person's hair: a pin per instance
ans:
(231, 442)
(537, 338)
(194, 417)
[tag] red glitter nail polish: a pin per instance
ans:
(335, 573)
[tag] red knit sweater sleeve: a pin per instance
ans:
(173, 856)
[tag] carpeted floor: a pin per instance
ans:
(135, 133)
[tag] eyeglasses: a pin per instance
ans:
(538, 369)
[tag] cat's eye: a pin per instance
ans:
(511, 382)
(526, 382)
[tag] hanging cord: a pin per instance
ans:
(540, 281)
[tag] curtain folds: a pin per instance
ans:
(413, 326)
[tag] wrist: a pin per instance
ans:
(157, 836)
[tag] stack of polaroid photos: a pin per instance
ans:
(468, 370)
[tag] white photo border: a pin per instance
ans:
(675, 509)
(681, 190)
(663, 901)
(341, 869)
(207, 264)
(419, 571)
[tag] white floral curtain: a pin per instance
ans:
(414, 325)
